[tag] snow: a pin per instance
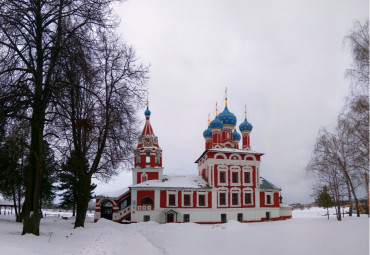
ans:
(309, 232)
(178, 181)
(115, 194)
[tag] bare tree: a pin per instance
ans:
(358, 42)
(104, 85)
(325, 172)
(32, 35)
(356, 111)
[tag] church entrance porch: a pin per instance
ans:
(170, 216)
(107, 210)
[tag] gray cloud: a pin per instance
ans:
(284, 59)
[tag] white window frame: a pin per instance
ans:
(248, 169)
(235, 191)
(144, 175)
(138, 158)
(248, 191)
(205, 193)
(226, 191)
(234, 169)
(190, 193)
(224, 169)
(271, 194)
(171, 192)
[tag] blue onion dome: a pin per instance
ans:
(207, 133)
(216, 123)
(227, 117)
(245, 126)
(147, 112)
(236, 135)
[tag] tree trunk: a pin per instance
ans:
(367, 192)
(349, 200)
(31, 205)
(339, 216)
(16, 208)
(327, 210)
(74, 206)
(83, 197)
(20, 212)
(349, 183)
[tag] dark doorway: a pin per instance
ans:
(223, 218)
(186, 217)
(107, 210)
(268, 216)
(240, 217)
(170, 217)
(146, 218)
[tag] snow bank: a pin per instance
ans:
(307, 233)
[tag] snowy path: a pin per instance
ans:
(308, 233)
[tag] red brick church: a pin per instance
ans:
(228, 185)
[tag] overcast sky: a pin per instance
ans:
(284, 59)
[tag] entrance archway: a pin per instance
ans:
(107, 210)
(170, 216)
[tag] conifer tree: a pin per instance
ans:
(324, 199)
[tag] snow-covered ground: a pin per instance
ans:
(307, 233)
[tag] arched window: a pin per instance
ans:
(146, 201)
(144, 177)
(157, 159)
(147, 159)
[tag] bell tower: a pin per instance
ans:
(148, 154)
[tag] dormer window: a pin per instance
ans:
(147, 158)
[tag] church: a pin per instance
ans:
(228, 185)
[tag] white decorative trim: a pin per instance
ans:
(234, 191)
(171, 192)
(205, 194)
(235, 169)
(220, 154)
(250, 155)
(248, 191)
(248, 169)
(190, 193)
(224, 169)
(145, 176)
(271, 194)
(235, 155)
(226, 192)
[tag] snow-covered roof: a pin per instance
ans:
(115, 194)
(170, 181)
(6, 202)
(284, 206)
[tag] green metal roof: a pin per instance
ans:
(267, 185)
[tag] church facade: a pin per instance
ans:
(228, 185)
